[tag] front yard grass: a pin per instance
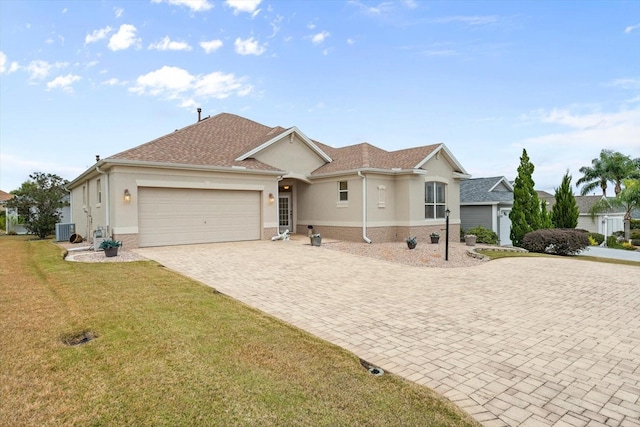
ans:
(170, 351)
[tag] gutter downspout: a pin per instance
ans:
(364, 207)
(107, 204)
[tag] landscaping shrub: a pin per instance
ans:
(484, 235)
(613, 242)
(635, 224)
(635, 242)
(598, 237)
(635, 234)
(557, 241)
(628, 246)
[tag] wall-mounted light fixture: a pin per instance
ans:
(127, 196)
(271, 198)
(286, 187)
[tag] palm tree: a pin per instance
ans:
(594, 176)
(610, 166)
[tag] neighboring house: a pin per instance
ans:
(227, 178)
(604, 223)
(11, 219)
(487, 202)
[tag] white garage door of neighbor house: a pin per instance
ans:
(177, 216)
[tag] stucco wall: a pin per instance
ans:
(291, 154)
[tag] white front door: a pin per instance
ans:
(505, 227)
(284, 212)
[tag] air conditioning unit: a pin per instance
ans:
(64, 231)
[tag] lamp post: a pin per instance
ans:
(446, 236)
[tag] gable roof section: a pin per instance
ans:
(216, 141)
(366, 156)
(486, 190)
(4, 196)
(585, 203)
(280, 135)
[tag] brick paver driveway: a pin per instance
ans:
(532, 341)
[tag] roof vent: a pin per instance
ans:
(199, 112)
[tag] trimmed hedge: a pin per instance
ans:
(557, 241)
(635, 234)
(483, 235)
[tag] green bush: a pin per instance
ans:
(635, 242)
(483, 235)
(557, 241)
(612, 242)
(635, 224)
(635, 234)
(599, 238)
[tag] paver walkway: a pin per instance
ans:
(520, 341)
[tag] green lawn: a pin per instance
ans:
(170, 351)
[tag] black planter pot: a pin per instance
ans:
(109, 252)
(435, 239)
(412, 243)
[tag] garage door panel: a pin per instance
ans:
(169, 216)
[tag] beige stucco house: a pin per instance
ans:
(226, 178)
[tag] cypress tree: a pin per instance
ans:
(564, 214)
(545, 216)
(525, 214)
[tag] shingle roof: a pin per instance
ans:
(478, 190)
(365, 155)
(215, 141)
(221, 139)
(585, 203)
(4, 196)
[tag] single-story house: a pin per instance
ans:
(227, 178)
(487, 202)
(604, 222)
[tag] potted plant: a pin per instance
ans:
(470, 239)
(110, 247)
(412, 242)
(435, 237)
(316, 239)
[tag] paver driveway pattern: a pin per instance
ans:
(519, 341)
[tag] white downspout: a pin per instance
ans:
(364, 207)
(107, 205)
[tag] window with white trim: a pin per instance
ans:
(98, 192)
(343, 191)
(435, 200)
(84, 195)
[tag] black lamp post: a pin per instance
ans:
(446, 242)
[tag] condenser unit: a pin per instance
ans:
(64, 231)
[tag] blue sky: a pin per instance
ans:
(559, 78)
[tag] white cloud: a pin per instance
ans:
(124, 38)
(379, 9)
(275, 25)
(631, 28)
(118, 11)
(167, 44)
(97, 35)
(194, 5)
(248, 47)
(114, 82)
(351, 41)
(177, 83)
(211, 45)
(63, 82)
(469, 20)
(311, 26)
(320, 37)
(3, 62)
(248, 6)
(626, 83)
(39, 69)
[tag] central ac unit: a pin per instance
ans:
(64, 231)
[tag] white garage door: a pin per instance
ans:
(177, 216)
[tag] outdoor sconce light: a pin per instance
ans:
(286, 187)
(271, 198)
(127, 196)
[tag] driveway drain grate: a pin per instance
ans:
(78, 338)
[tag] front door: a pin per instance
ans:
(505, 227)
(284, 212)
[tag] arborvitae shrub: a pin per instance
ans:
(557, 241)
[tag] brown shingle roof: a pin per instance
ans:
(215, 141)
(4, 196)
(366, 155)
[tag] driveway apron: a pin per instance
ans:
(520, 341)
